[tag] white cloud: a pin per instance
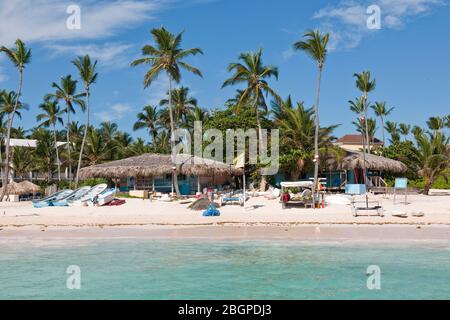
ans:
(115, 112)
(347, 21)
(108, 54)
(44, 20)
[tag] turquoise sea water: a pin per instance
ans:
(130, 269)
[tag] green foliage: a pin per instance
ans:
(93, 182)
(406, 153)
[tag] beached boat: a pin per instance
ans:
(77, 194)
(102, 199)
(48, 202)
(94, 192)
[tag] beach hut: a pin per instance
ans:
(14, 190)
(350, 170)
(136, 172)
(30, 187)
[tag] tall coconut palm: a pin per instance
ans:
(382, 112)
(96, 147)
(315, 46)
(182, 104)
(51, 116)
(167, 57)
(148, 119)
(251, 71)
(404, 130)
(67, 91)
(20, 56)
(366, 85)
(88, 75)
(44, 155)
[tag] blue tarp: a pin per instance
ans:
(211, 211)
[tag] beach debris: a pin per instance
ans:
(399, 214)
(202, 204)
(418, 214)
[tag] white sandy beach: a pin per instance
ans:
(262, 218)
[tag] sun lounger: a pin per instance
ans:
(74, 196)
(94, 192)
(48, 202)
(363, 207)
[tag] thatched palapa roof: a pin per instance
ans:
(149, 165)
(355, 160)
(15, 188)
(30, 187)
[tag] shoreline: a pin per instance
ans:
(329, 233)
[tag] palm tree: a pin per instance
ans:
(392, 129)
(315, 45)
(365, 85)
(382, 112)
(44, 157)
(22, 161)
(197, 114)
(417, 131)
(371, 126)
(20, 56)
(96, 147)
(405, 129)
(66, 91)
(182, 103)
(436, 124)
(434, 157)
(297, 127)
(50, 117)
(148, 119)
(167, 56)
(251, 71)
(88, 75)
(108, 130)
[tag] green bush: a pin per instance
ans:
(93, 182)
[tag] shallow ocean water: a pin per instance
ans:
(144, 269)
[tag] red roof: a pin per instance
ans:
(356, 139)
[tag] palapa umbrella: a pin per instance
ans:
(30, 187)
(15, 188)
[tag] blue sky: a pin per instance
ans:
(408, 56)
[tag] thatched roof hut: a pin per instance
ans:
(15, 188)
(30, 187)
(153, 165)
(355, 160)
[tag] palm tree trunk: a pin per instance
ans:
(80, 158)
(8, 136)
(316, 139)
(366, 124)
(263, 183)
(57, 153)
(172, 135)
(382, 130)
(68, 147)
